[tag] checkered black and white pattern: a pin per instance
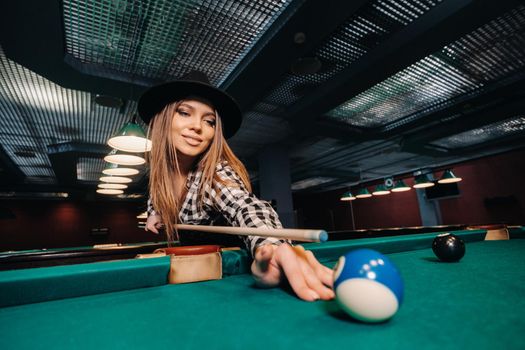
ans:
(232, 201)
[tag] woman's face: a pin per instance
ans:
(193, 128)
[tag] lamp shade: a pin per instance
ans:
(448, 177)
(123, 158)
(348, 196)
(113, 186)
(115, 169)
(130, 138)
(423, 181)
(400, 186)
(380, 190)
(109, 191)
(363, 193)
(115, 179)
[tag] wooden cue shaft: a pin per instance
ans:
(286, 233)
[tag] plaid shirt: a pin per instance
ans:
(235, 203)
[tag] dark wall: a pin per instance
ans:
(51, 224)
(394, 210)
(327, 211)
(492, 191)
(323, 211)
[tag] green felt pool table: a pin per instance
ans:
(478, 303)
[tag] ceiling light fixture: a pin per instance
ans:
(363, 193)
(380, 190)
(448, 177)
(348, 196)
(109, 191)
(123, 158)
(130, 138)
(400, 186)
(423, 181)
(115, 169)
(113, 186)
(115, 179)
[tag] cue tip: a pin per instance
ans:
(323, 236)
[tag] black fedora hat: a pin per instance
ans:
(193, 84)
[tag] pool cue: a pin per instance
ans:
(286, 233)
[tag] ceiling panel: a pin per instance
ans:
(165, 39)
(509, 127)
(37, 113)
(364, 30)
(485, 56)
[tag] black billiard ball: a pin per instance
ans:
(448, 247)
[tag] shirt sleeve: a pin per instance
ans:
(150, 210)
(243, 209)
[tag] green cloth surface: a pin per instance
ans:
(58, 282)
(477, 303)
(328, 250)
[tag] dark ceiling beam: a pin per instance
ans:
(64, 158)
(429, 33)
(39, 26)
(499, 95)
(505, 108)
(491, 147)
(343, 132)
(277, 49)
(324, 172)
(501, 145)
(9, 171)
(344, 155)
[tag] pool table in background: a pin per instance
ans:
(392, 231)
(477, 303)
(10, 260)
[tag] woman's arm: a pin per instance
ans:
(153, 222)
(275, 260)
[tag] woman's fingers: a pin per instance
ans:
(263, 255)
(153, 224)
(301, 277)
(309, 279)
(265, 273)
(314, 281)
(291, 264)
(324, 273)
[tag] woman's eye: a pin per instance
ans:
(183, 112)
(210, 122)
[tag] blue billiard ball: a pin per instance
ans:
(367, 285)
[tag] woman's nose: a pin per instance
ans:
(196, 124)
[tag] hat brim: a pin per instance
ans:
(156, 98)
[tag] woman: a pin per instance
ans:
(194, 176)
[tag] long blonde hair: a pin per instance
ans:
(163, 165)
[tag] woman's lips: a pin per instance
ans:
(193, 141)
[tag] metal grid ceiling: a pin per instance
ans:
(36, 112)
(486, 133)
(311, 182)
(363, 31)
(487, 55)
(258, 130)
(90, 169)
(163, 38)
(319, 148)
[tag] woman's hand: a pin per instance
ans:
(309, 279)
(153, 224)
